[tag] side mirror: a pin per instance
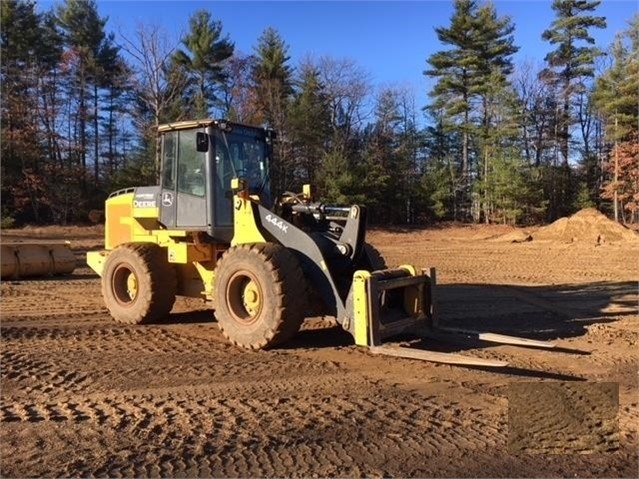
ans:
(202, 142)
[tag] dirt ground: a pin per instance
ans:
(85, 396)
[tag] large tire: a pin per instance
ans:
(138, 284)
(372, 259)
(260, 294)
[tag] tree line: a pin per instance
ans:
(502, 143)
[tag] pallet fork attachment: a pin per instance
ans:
(401, 301)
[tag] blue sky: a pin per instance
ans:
(390, 40)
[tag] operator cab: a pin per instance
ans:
(198, 161)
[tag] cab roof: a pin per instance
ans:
(185, 125)
(190, 124)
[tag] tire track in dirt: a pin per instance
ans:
(23, 375)
(309, 422)
(560, 418)
(102, 337)
(83, 396)
(51, 297)
(265, 436)
(30, 366)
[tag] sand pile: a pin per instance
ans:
(586, 226)
(516, 236)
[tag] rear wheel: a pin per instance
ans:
(260, 294)
(138, 284)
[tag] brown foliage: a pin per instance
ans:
(624, 157)
(51, 193)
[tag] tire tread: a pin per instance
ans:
(157, 283)
(286, 276)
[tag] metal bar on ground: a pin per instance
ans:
(436, 357)
(500, 338)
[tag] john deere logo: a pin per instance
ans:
(167, 199)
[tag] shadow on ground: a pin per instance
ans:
(533, 312)
(536, 312)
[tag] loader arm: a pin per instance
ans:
(310, 255)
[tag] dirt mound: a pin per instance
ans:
(515, 236)
(587, 226)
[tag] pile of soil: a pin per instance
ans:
(587, 226)
(515, 236)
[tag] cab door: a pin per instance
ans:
(168, 179)
(183, 194)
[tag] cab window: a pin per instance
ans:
(191, 165)
(169, 143)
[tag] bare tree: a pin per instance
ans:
(156, 87)
(347, 85)
(537, 114)
(238, 94)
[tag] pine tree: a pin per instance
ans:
(91, 54)
(380, 161)
(51, 101)
(499, 153)
(310, 124)
(497, 106)
(410, 150)
(454, 70)
(203, 60)
(616, 95)
(109, 74)
(389, 158)
(21, 185)
(571, 63)
(273, 80)
(339, 180)
(272, 76)
(439, 175)
(477, 62)
(118, 87)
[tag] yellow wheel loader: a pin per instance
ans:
(205, 232)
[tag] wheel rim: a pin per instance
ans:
(124, 285)
(244, 298)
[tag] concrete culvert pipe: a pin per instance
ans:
(26, 260)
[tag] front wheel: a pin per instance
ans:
(260, 294)
(371, 259)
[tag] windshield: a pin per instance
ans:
(243, 153)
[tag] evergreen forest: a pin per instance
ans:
(498, 142)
